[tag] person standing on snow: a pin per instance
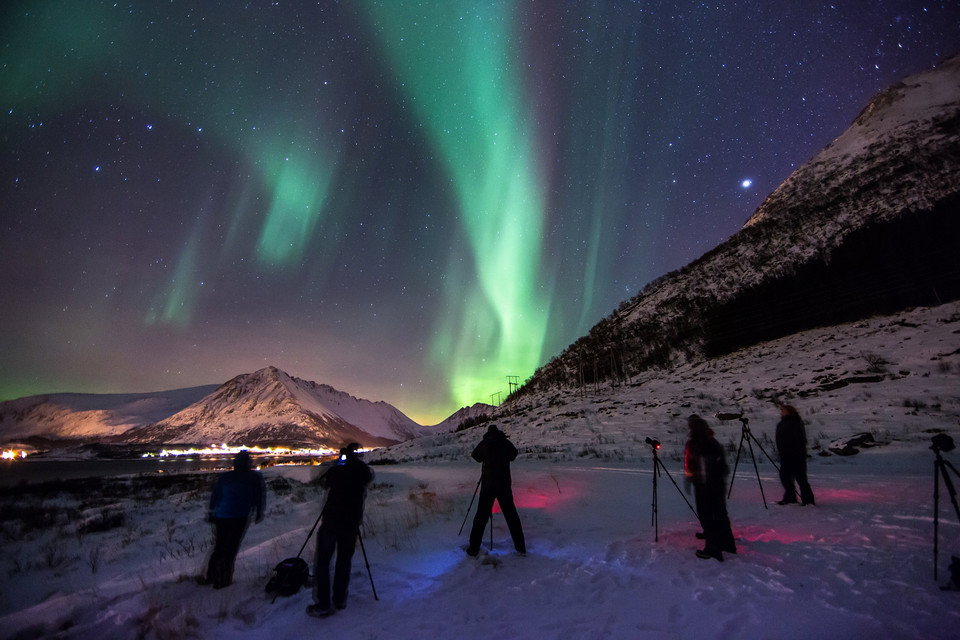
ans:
(346, 485)
(705, 467)
(792, 444)
(236, 495)
(495, 452)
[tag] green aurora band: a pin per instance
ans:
(455, 67)
(64, 47)
(461, 79)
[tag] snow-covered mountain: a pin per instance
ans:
(867, 226)
(271, 407)
(89, 415)
(265, 407)
(464, 415)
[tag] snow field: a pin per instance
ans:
(858, 564)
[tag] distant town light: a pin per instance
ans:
(228, 450)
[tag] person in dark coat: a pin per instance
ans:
(792, 445)
(346, 485)
(495, 452)
(236, 496)
(705, 467)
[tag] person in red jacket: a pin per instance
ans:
(495, 452)
(705, 467)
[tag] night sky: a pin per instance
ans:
(408, 201)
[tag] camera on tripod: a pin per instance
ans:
(726, 417)
(941, 442)
(941, 471)
(653, 443)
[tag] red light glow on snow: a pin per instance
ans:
(782, 535)
(833, 495)
(537, 498)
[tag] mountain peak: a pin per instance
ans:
(863, 227)
(269, 406)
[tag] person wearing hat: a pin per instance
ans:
(236, 495)
(495, 452)
(346, 485)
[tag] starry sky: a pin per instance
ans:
(409, 201)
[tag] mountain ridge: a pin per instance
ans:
(899, 161)
(264, 407)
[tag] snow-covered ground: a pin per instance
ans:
(859, 564)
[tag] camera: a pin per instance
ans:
(725, 417)
(653, 443)
(942, 442)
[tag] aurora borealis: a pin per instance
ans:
(408, 201)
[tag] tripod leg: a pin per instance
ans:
(944, 470)
(491, 528)
(470, 507)
(754, 438)
(309, 534)
(654, 518)
(941, 466)
(733, 476)
(936, 512)
(680, 491)
(775, 466)
(367, 562)
(755, 468)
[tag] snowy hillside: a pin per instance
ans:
(271, 407)
(896, 377)
(863, 227)
(884, 154)
(86, 415)
(473, 412)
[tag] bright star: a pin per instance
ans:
(746, 183)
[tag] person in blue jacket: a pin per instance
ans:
(236, 496)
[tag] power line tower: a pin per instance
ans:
(513, 384)
(497, 396)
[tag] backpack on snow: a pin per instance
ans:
(288, 576)
(292, 573)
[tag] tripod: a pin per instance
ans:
(362, 548)
(747, 435)
(367, 562)
(470, 506)
(941, 469)
(657, 466)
